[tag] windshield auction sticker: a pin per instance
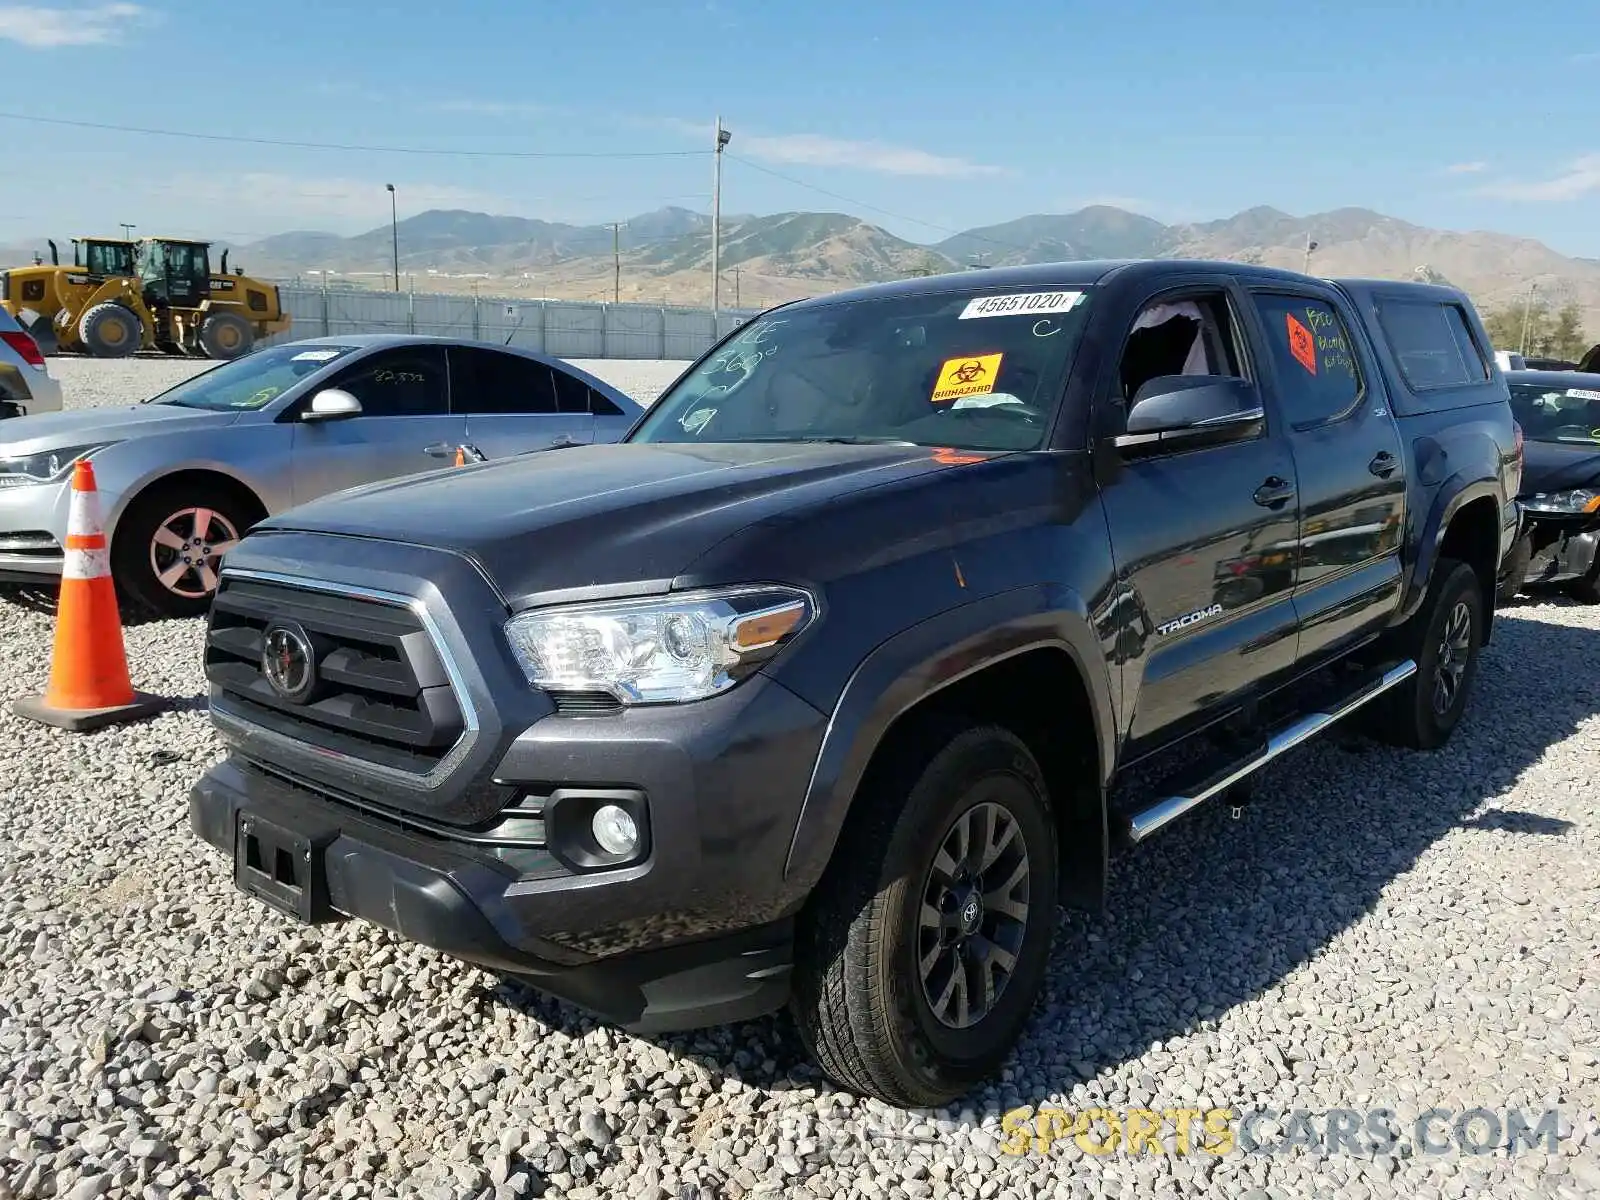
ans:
(1022, 304)
(972, 376)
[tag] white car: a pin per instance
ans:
(26, 385)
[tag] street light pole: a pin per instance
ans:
(394, 226)
(1527, 318)
(1305, 268)
(723, 138)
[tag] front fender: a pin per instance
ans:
(922, 660)
(265, 476)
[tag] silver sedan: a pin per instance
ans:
(183, 475)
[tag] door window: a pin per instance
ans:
(405, 382)
(1318, 378)
(1188, 336)
(487, 381)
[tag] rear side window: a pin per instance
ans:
(1433, 344)
(484, 381)
(1318, 379)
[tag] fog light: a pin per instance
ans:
(615, 830)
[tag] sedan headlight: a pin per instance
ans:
(658, 651)
(44, 467)
(1573, 502)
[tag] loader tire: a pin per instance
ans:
(110, 331)
(40, 329)
(226, 335)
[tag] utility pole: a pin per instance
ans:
(736, 303)
(1527, 318)
(616, 261)
(1305, 268)
(723, 138)
(394, 225)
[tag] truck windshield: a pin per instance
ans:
(253, 381)
(1557, 414)
(981, 369)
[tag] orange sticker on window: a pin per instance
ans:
(1301, 344)
(972, 376)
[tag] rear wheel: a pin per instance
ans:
(1444, 640)
(109, 331)
(925, 946)
(226, 335)
(41, 329)
(169, 546)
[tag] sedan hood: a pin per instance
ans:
(80, 426)
(593, 517)
(1556, 467)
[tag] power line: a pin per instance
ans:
(420, 150)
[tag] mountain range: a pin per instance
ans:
(665, 256)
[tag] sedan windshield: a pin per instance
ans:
(976, 370)
(1557, 414)
(251, 382)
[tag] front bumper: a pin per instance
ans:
(448, 895)
(33, 520)
(1562, 548)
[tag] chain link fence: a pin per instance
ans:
(564, 328)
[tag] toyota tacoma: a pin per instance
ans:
(825, 687)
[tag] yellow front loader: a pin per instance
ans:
(121, 296)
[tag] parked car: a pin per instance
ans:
(823, 687)
(1559, 412)
(26, 385)
(182, 476)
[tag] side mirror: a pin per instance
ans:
(331, 404)
(1192, 410)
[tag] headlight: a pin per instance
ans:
(658, 651)
(45, 467)
(1578, 500)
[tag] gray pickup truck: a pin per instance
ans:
(826, 686)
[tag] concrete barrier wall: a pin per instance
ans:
(568, 329)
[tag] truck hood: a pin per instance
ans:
(81, 426)
(1557, 466)
(590, 518)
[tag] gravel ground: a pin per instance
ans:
(1378, 930)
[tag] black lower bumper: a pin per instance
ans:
(1561, 550)
(320, 860)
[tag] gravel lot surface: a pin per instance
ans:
(1378, 930)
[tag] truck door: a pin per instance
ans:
(1347, 453)
(1203, 537)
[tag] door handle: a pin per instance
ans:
(440, 450)
(1383, 464)
(1274, 492)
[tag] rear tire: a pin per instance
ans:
(900, 915)
(226, 335)
(40, 329)
(110, 330)
(154, 557)
(1444, 640)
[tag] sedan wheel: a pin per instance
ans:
(186, 549)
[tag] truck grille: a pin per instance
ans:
(382, 694)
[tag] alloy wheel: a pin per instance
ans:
(186, 549)
(1455, 648)
(974, 915)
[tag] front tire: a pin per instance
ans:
(1423, 712)
(925, 946)
(110, 331)
(170, 543)
(1586, 590)
(225, 335)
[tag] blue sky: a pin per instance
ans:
(925, 116)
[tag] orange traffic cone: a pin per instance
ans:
(89, 685)
(461, 456)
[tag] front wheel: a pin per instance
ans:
(1423, 712)
(1586, 588)
(226, 335)
(109, 330)
(925, 946)
(169, 547)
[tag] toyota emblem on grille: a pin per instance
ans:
(288, 662)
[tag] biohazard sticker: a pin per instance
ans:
(1301, 344)
(972, 376)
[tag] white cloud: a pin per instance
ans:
(1580, 177)
(493, 108)
(43, 27)
(816, 150)
(1467, 168)
(264, 201)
